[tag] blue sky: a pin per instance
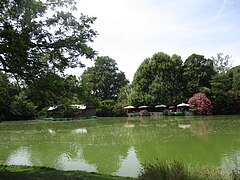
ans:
(133, 30)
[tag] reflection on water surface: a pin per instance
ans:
(20, 156)
(120, 146)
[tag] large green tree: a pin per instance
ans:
(103, 83)
(225, 92)
(104, 78)
(41, 36)
(158, 80)
(198, 71)
(219, 94)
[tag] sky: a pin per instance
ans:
(130, 31)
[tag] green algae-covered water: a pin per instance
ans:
(119, 146)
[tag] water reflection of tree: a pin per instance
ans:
(201, 128)
(107, 143)
(104, 147)
(231, 162)
(172, 142)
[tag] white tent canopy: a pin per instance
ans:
(161, 105)
(183, 105)
(141, 107)
(129, 107)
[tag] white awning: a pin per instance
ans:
(161, 105)
(183, 105)
(129, 107)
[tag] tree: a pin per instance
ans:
(201, 104)
(5, 97)
(123, 95)
(222, 63)
(234, 92)
(198, 72)
(14, 102)
(104, 78)
(39, 36)
(158, 80)
(103, 82)
(220, 95)
(53, 89)
(236, 80)
(225, 92)
(22, 107)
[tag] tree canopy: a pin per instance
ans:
(104, 82)
(158, 80)
(198, 72)
(41, 36)
(104, 78)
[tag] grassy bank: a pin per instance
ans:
(29, 172)
(169, 170)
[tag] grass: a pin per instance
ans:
(31, 173)
(173, 170)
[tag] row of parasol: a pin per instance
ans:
(157, 106)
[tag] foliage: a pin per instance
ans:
(5, 97)
(201, 104)
(167, 170)
(236, 80)
(35, 41)
(103, 85)
(22, 107)
(158, 79)
(224, 92)
(53, 89)
(109, 108)
(104, 78)
(14, 101)
(178, 170)
(198, 72)
(123, 95)
(219, 93)
(222, 63)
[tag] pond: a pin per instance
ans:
(119, 146)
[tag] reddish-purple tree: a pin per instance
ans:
(201, 104)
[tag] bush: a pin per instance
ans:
(166, 171)
(109, 108)
(201, 104)
(174, 170)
